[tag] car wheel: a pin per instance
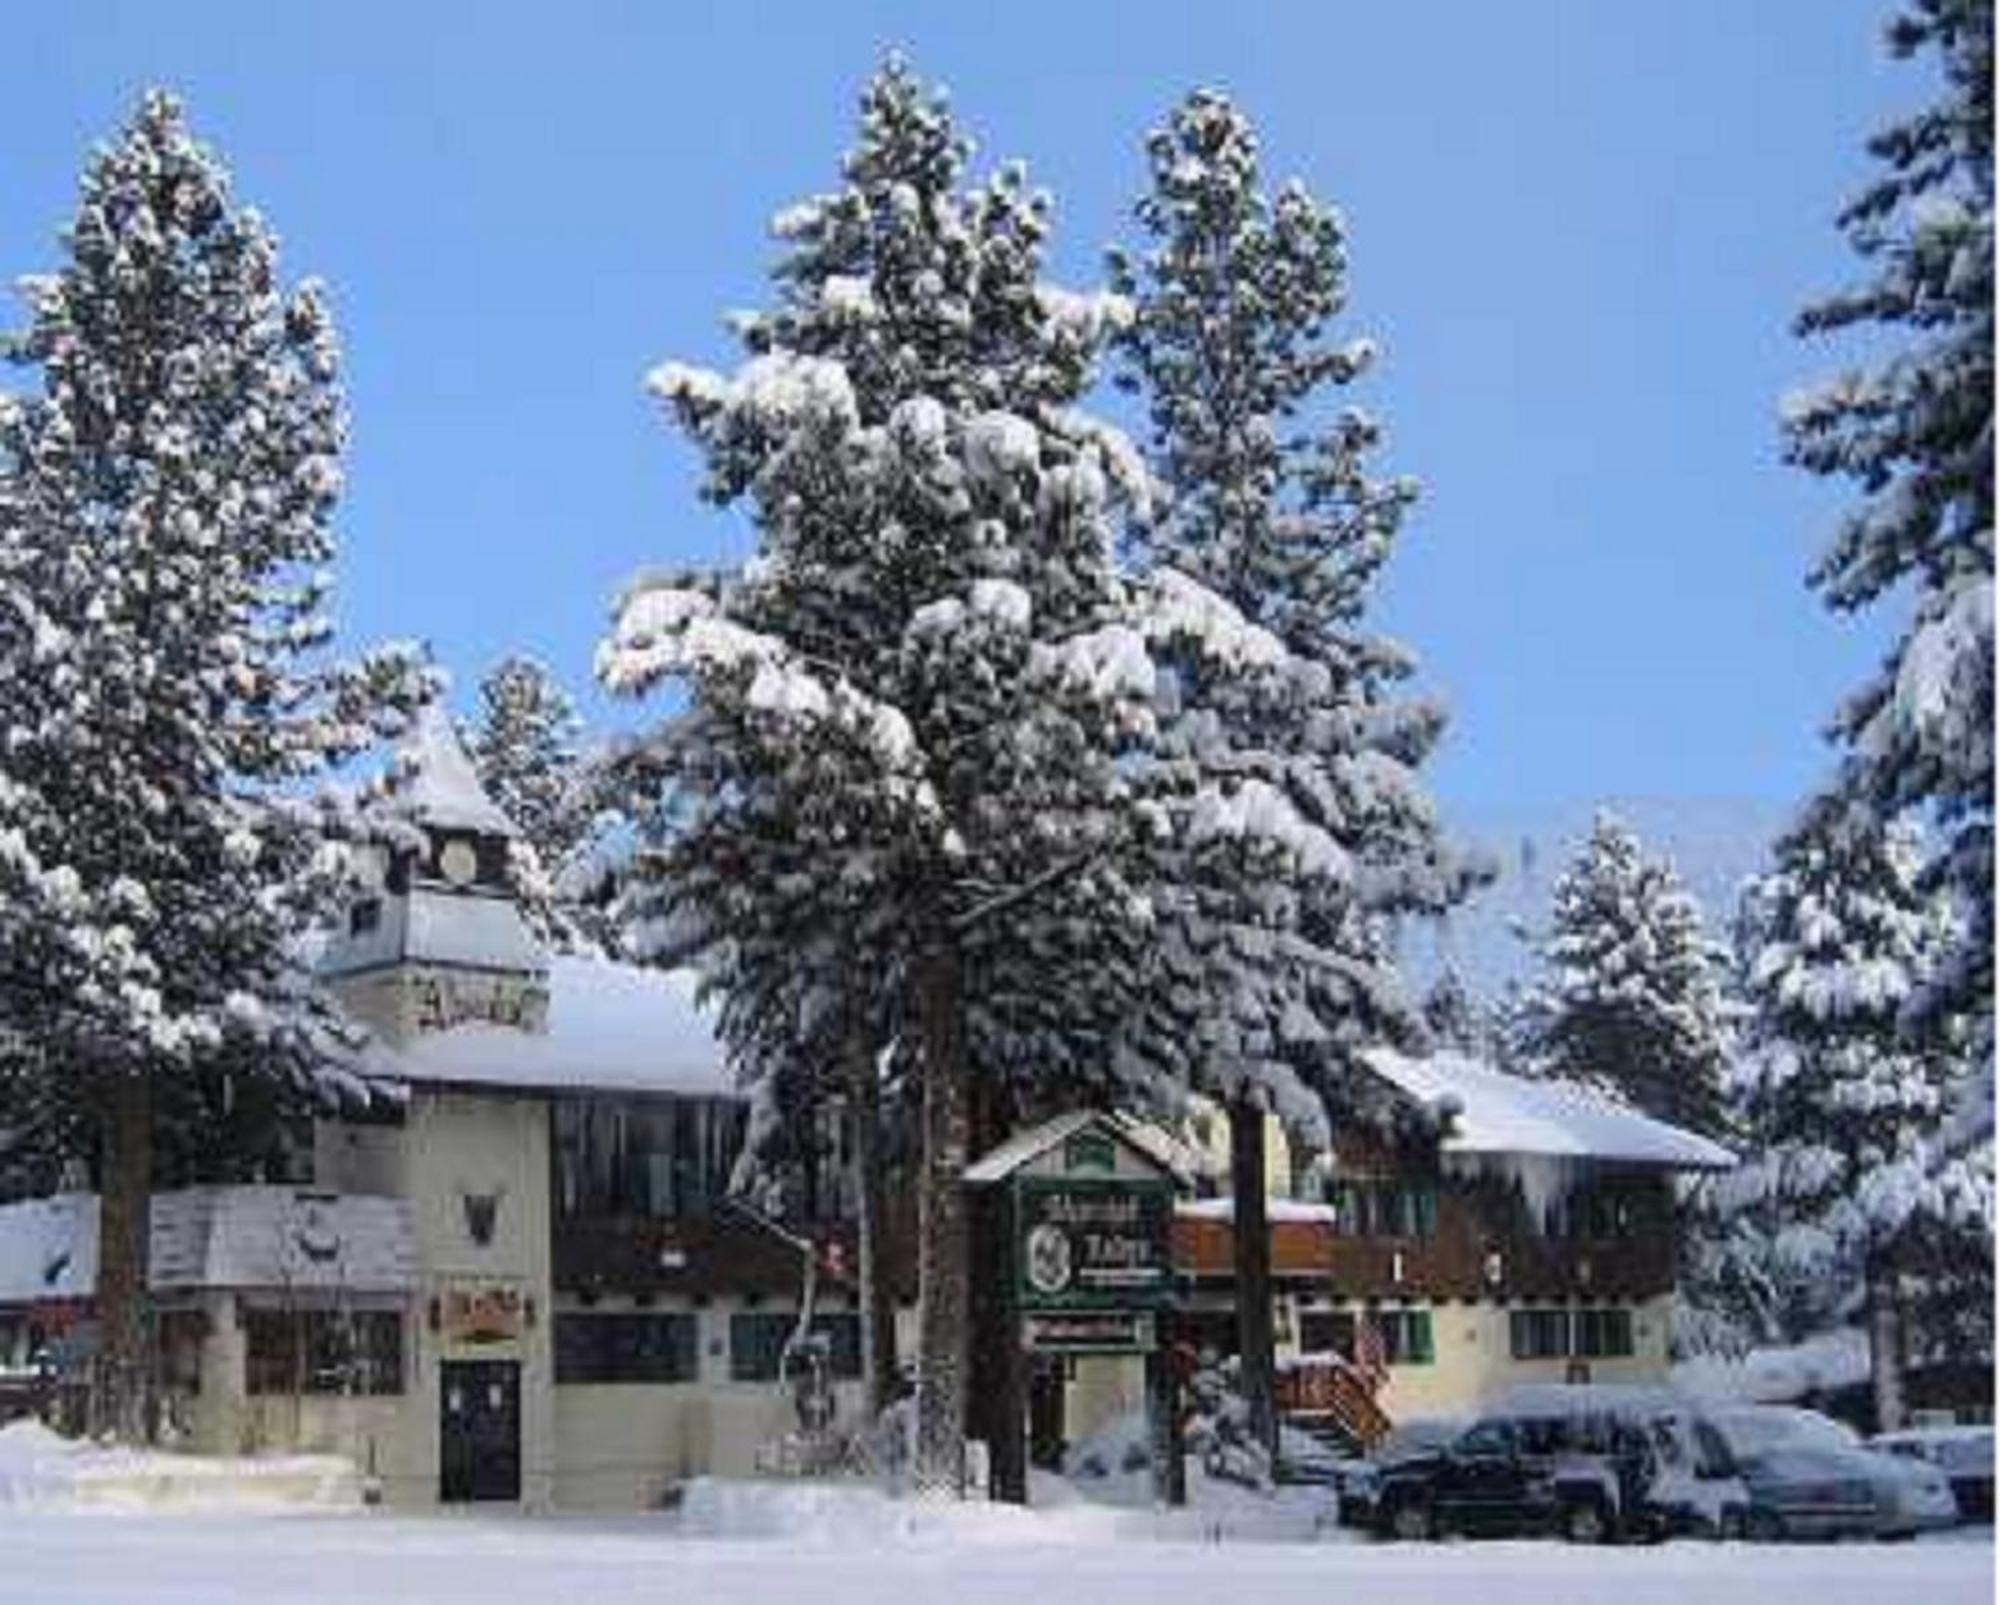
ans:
(1586, 1523)
(1763, 1527)
(1413, 1522)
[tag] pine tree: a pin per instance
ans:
(528, 749)
(1287, 757)
(898, 779)
(1913, 430)
(164, 694)
(1843, 1110)
(1630, 996)
(1453, 1017)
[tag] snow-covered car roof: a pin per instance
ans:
(1486, 1111)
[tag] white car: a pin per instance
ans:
(1963, 1454)
(1911, 1496)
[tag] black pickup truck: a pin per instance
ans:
(1488, 1482)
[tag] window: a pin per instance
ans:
(641, 1347)
(1327, 1331)
(180, 1338)
(1385, 1209)
(323, 1351)
(1558, 1334)
(1603, 1334)
(1406, 1335)
(1539, 1334)
(651, 1158)
(364, 915)
(756, 1340)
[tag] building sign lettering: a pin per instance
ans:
(1094, 1243)
(475, 1315)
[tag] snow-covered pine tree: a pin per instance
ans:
(1912, 427)
(528, 748)
(1453, 1017)
(899, 774)
(165, 493)
(1630, 996)
(1288, 753)
(1843, 1110)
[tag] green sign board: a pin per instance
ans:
(1092, 1243)
(1092, 1332)
(1090, 1151)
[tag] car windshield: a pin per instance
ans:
(1415, 1438)
(1793, 1464)
(1973, 1452)
(1757, 1430)
(1488, 1438)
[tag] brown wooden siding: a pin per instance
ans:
(1479, 1220)
(704, 1257)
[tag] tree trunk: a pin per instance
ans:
(1163, 1422)
(121, 1382)
(1885, 1349)
(878, 1296)
(943, 1241)
(1251, 1233)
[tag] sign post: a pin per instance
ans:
(1088, 1223)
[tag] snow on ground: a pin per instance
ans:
(972, 1557)
(42, 1472)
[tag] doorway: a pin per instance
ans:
(480, 1430)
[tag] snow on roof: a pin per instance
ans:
(463, 928)
(1000, 1163)
(1275, 1209)
(443, 788)
(48, 1248)
(611, 1027)
(241, 1237)
(1497, 1113)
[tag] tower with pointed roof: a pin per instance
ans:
(432, 936)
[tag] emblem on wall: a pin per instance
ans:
(482, 1213)
(314, 1233)
(1048, 1259)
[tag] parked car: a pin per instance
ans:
(1911, 1496)
(1690, 1486)
(1964, 1455)
(1495, 1479)
(1358, 1478)
(1798, 1492)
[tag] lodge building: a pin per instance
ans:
(512, 1273)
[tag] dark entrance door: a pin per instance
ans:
(480, 1425)
(1045, 1411)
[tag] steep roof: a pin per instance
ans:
(1151, 1143)
(238, 1237)
(443, 787)
(611, 1028)
(1495, 1113)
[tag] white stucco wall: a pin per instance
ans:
(1473, 1363)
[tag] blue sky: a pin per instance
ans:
(1578, 230)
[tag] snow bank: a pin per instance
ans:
(41, 1471)
(1091, 1510)
(1779, 1375)
(841, 1514)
